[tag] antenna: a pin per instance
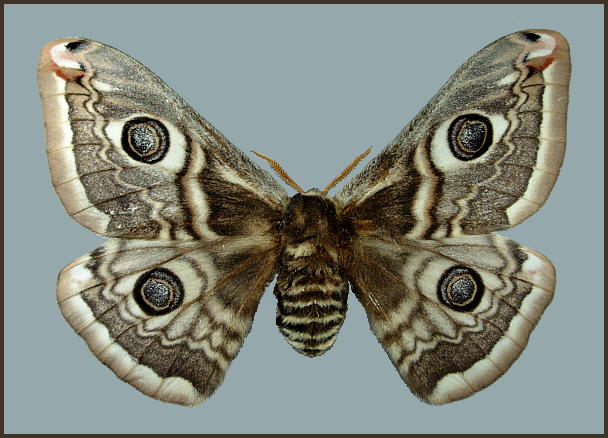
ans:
(279, 170)
(346, 171)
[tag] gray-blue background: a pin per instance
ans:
(312, 87)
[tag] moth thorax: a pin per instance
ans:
(311, 290)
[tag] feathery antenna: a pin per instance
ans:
(290, 182)
(346, 171)
(279, 170)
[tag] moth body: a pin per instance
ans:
(311, 289)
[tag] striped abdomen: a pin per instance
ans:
(312, 296)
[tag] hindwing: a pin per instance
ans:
(454, 314)
(167, 317)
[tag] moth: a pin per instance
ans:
(198, 230)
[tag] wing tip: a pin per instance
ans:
(547, 47)
(60, 57)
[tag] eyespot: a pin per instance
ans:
(145, 139)
(158, 292)
(460, 288)
(470, 136)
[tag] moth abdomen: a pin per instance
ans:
(310, 314)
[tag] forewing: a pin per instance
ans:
(484, 153)
(452, 315)
(167, 317)
(129, 158)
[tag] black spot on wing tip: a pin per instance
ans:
(74, 46)
(530, 36)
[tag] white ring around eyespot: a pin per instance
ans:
(176, 154)
(441, 154)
